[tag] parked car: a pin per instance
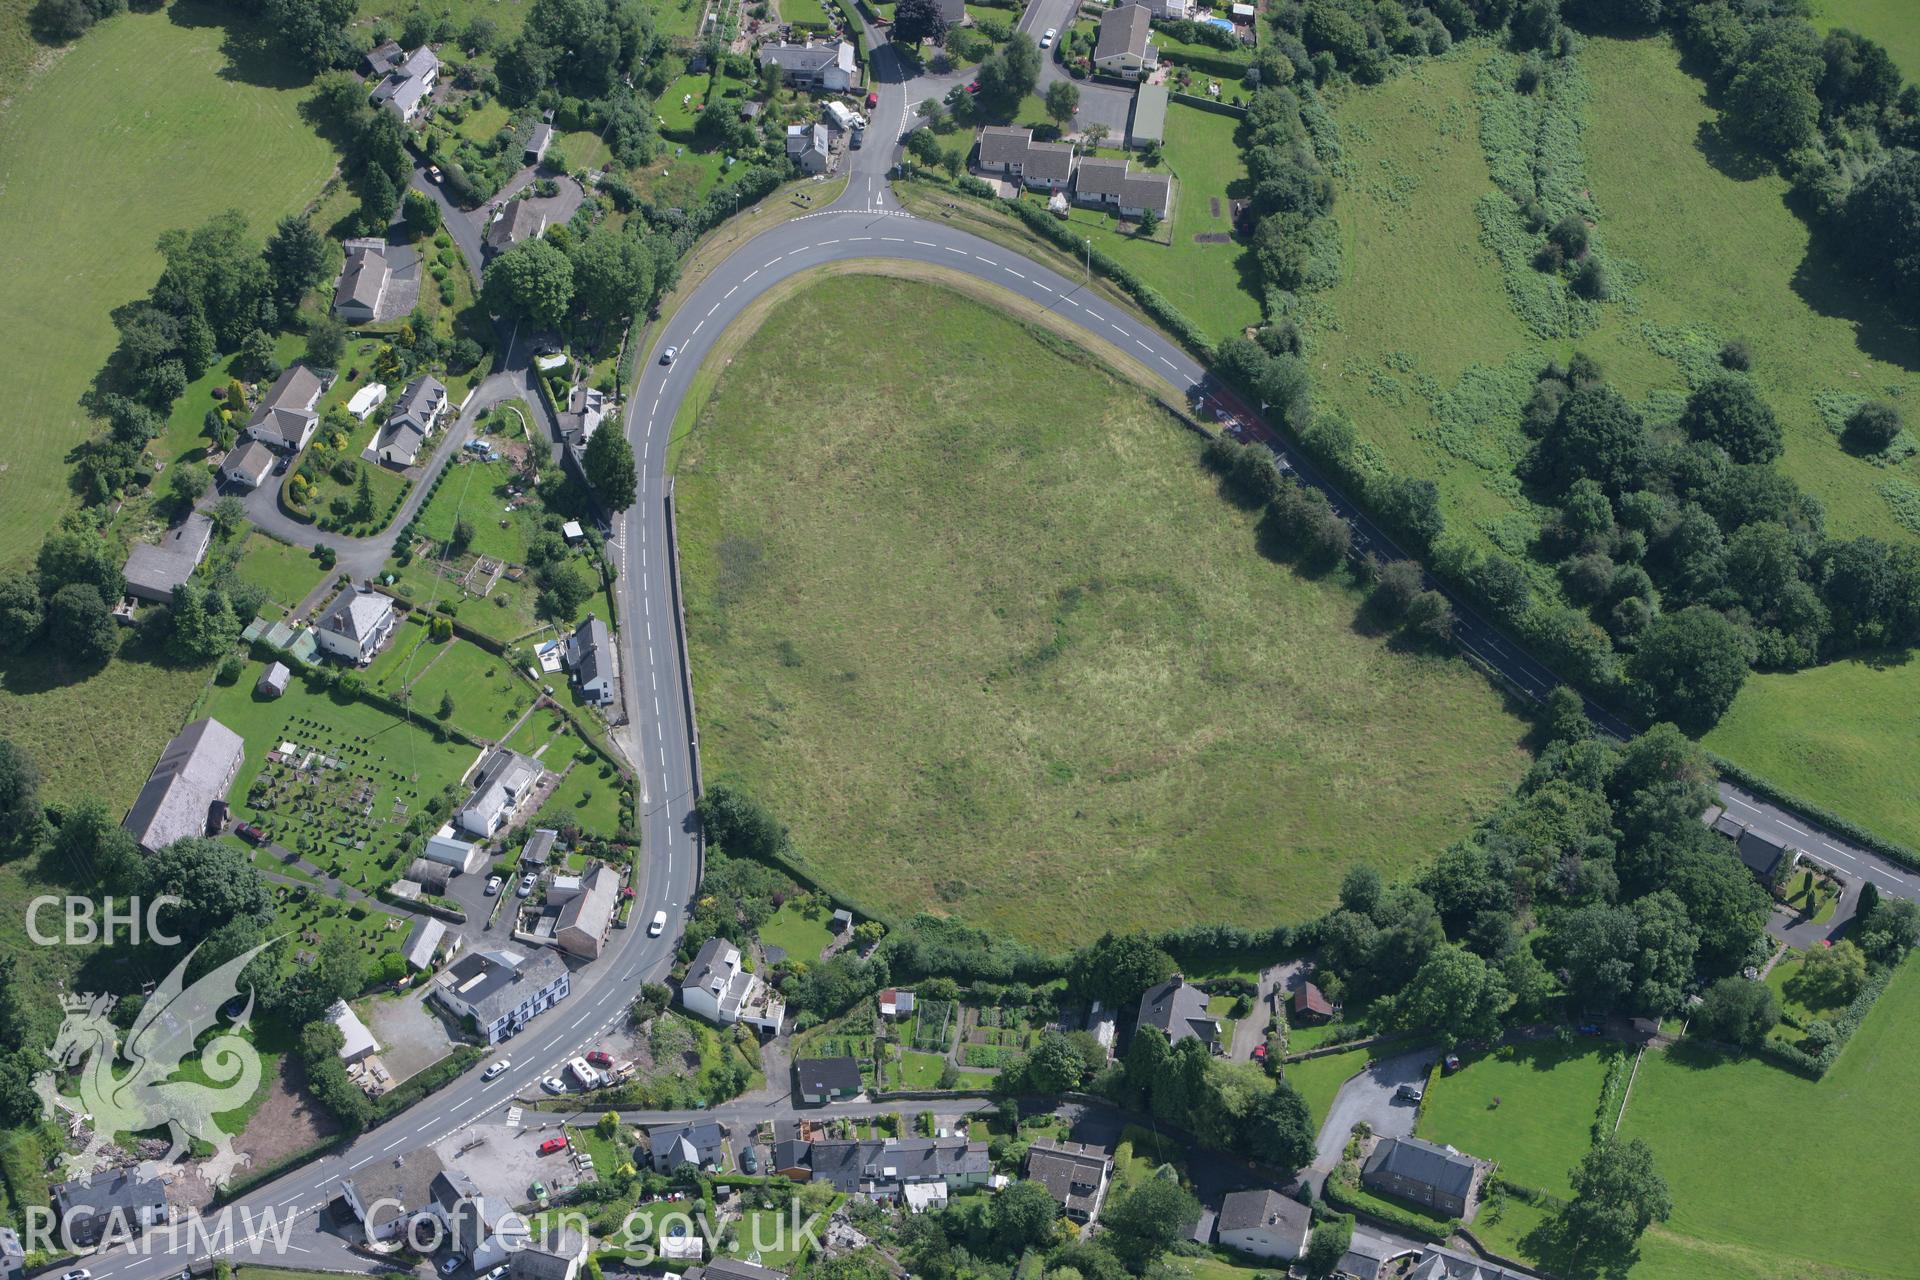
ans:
(1451, 1063)
(749, 1162)
(659, 925)
(1260, 1053)
(1046, 40)
(527, 882)
(498, 1273)
(539, 1193)
(552, 1145)
(600, 1058)
(250, 833)
(494, 1071)
(554, 1084)
(1409, 1093)
(78, 1273)
(667, 356)
(873, 100)
(973, 86)
(453, 1263)
(493, 885)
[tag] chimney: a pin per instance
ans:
(1177, 981)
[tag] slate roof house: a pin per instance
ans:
(362, 286)
(820, 1080)
(1764, 855)
(408, 86)
(284, 419)
(719, 987)
(953, 12)
(557, 1255)
(807, 147)
(192, 776)
(1439, 1263)
(537, 143)
(517, 220)
(1264, 1224)
(1074, 1174)
(1421, 1172)
(383, 1197)
(589, 653)
(702, 1144)
(357, 624)
(724, 1268)
(827, 64)
(110, 1202)
(1123, 48)
(1180, 1010)
(503, 990)
(584, 921)
(1113, 184)
(413, 418)
(504, 779)
(153, 571)
(538, 850)
(586, 410)
(882, 1169)
(1012, 154)
(249, 465)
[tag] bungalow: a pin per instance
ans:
(1148, 124)
(584, 922)
(702, 1145)
(408, 87)
(1012, 154)
(517, 220)
(357, 625)
(153, 571)
(503, 990)
(589, 654)
(1767, 856)
(720, 988)
(1123, 48)
(1264, 1224)
(1422, 1173)
(807, 147)
(110, 1203)
(273, 681)
(1111, 184)
(248, 466)
(415, 415)
(822, 1080)
(362, 285)
(1310, 1004)
(827, 65)
(1073, 1173)
(188, 787)
(505, 779)
(356, 1042)
(423, 943)
(285, 418)
(1440, 1263)
(1180, 1010)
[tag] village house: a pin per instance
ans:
(517, 220)
(357, 624)
(1012, 155)
(415, 415)
(1263, 1224)
(408, 87)
(249, 465)
(1123, 48)
(702, 1144)
(807, 147)
(285, 418)
(826, 65)
(589, 656)
(1179, 1009)
(362, 285)
(1073, 1173)
(720, 988)
(586, 919)
(822, 1080)
(503, 781)
(153, 571)
(1113, 185)
(503, 990)
(1422, 1173)
(116, 1203)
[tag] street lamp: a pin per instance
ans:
(1088, 241)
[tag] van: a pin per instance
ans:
(659, 925)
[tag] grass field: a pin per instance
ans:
(1528, 1106)
(1844, 736)
(589, 797)
(1891, 22)
(801, 937)
(1318, 1080)
(285, 572)
(159, 120)
(1774, 1175)
(1003, 652)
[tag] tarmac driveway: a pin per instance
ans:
(1369, 1097)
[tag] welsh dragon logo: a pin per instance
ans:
(129, 1088)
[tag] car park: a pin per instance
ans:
(494, 1071)
(552, 1145)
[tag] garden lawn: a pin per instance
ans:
(1727, 1135)
(488, 696)
(1540, 1125)
(998, 648)
(1318, 1080)
(920, 1070)
(679, 107)
(155, 127)
(800, 936)
(589, 796)
(184, 436)
(1843, 736)
(801, 11)
(678, 17)
(1795, 998)
(477, 491)
(285, 572)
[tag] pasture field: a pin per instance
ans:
(1844, 736)
(1002, 651)
(1891, 22)
(160, 120)
(1744, 1184)
(1529, 1106)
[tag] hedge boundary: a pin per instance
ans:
(1817, 1065)
(1759, 786)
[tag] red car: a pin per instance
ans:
(873, 100)
(973, 86)
(600, 1058)
(1260, 1053)
(552, 1145)
(250, 833)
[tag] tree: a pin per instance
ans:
(1880, 228)
(613, 275)
(1726, 410)
(257, 357)
(296, 256)
(1772, 98)
(738, 824)
(1737, 1011)
(1596, 435)
(1063, 101)
(215, 882)
(338, 972)
(1011, 73)
(1280, 1130)
(1430, 616)
(1022, 1216)
(79, 555)
(1118, 968)
(326, 342)
(1146, 1221)
(610, 468)
(186, 481)
(21, 611)
(1617, 1195)
(420, 212)
(562, 592)
(19, 800)
(1689, 667)
(1395, 586)
(1595, 945)
(445, 711)
(1327, 1245)
(462, 536)
(89, 847)
(1504, 585)
(532, 281)
(1890, 930)
(917, 20)
(1667, 943)
(1872, 427)
(1053, 1066)
(1832, 976)
(80, 625)
(1454, 995)
(203, 625)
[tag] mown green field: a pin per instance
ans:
(996, 647)
(1845, 736)
(1318, 1080)
(1774, 1175)
(1529, 1106)
(150, 122)
(1894, 23)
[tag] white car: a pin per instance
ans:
(493, 885)
(1046, 41)
(527, 882)
(493, 1072)
(554, 1084)
(659, 925)
(667, 356)
(453, 1264)
(78, 1273)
